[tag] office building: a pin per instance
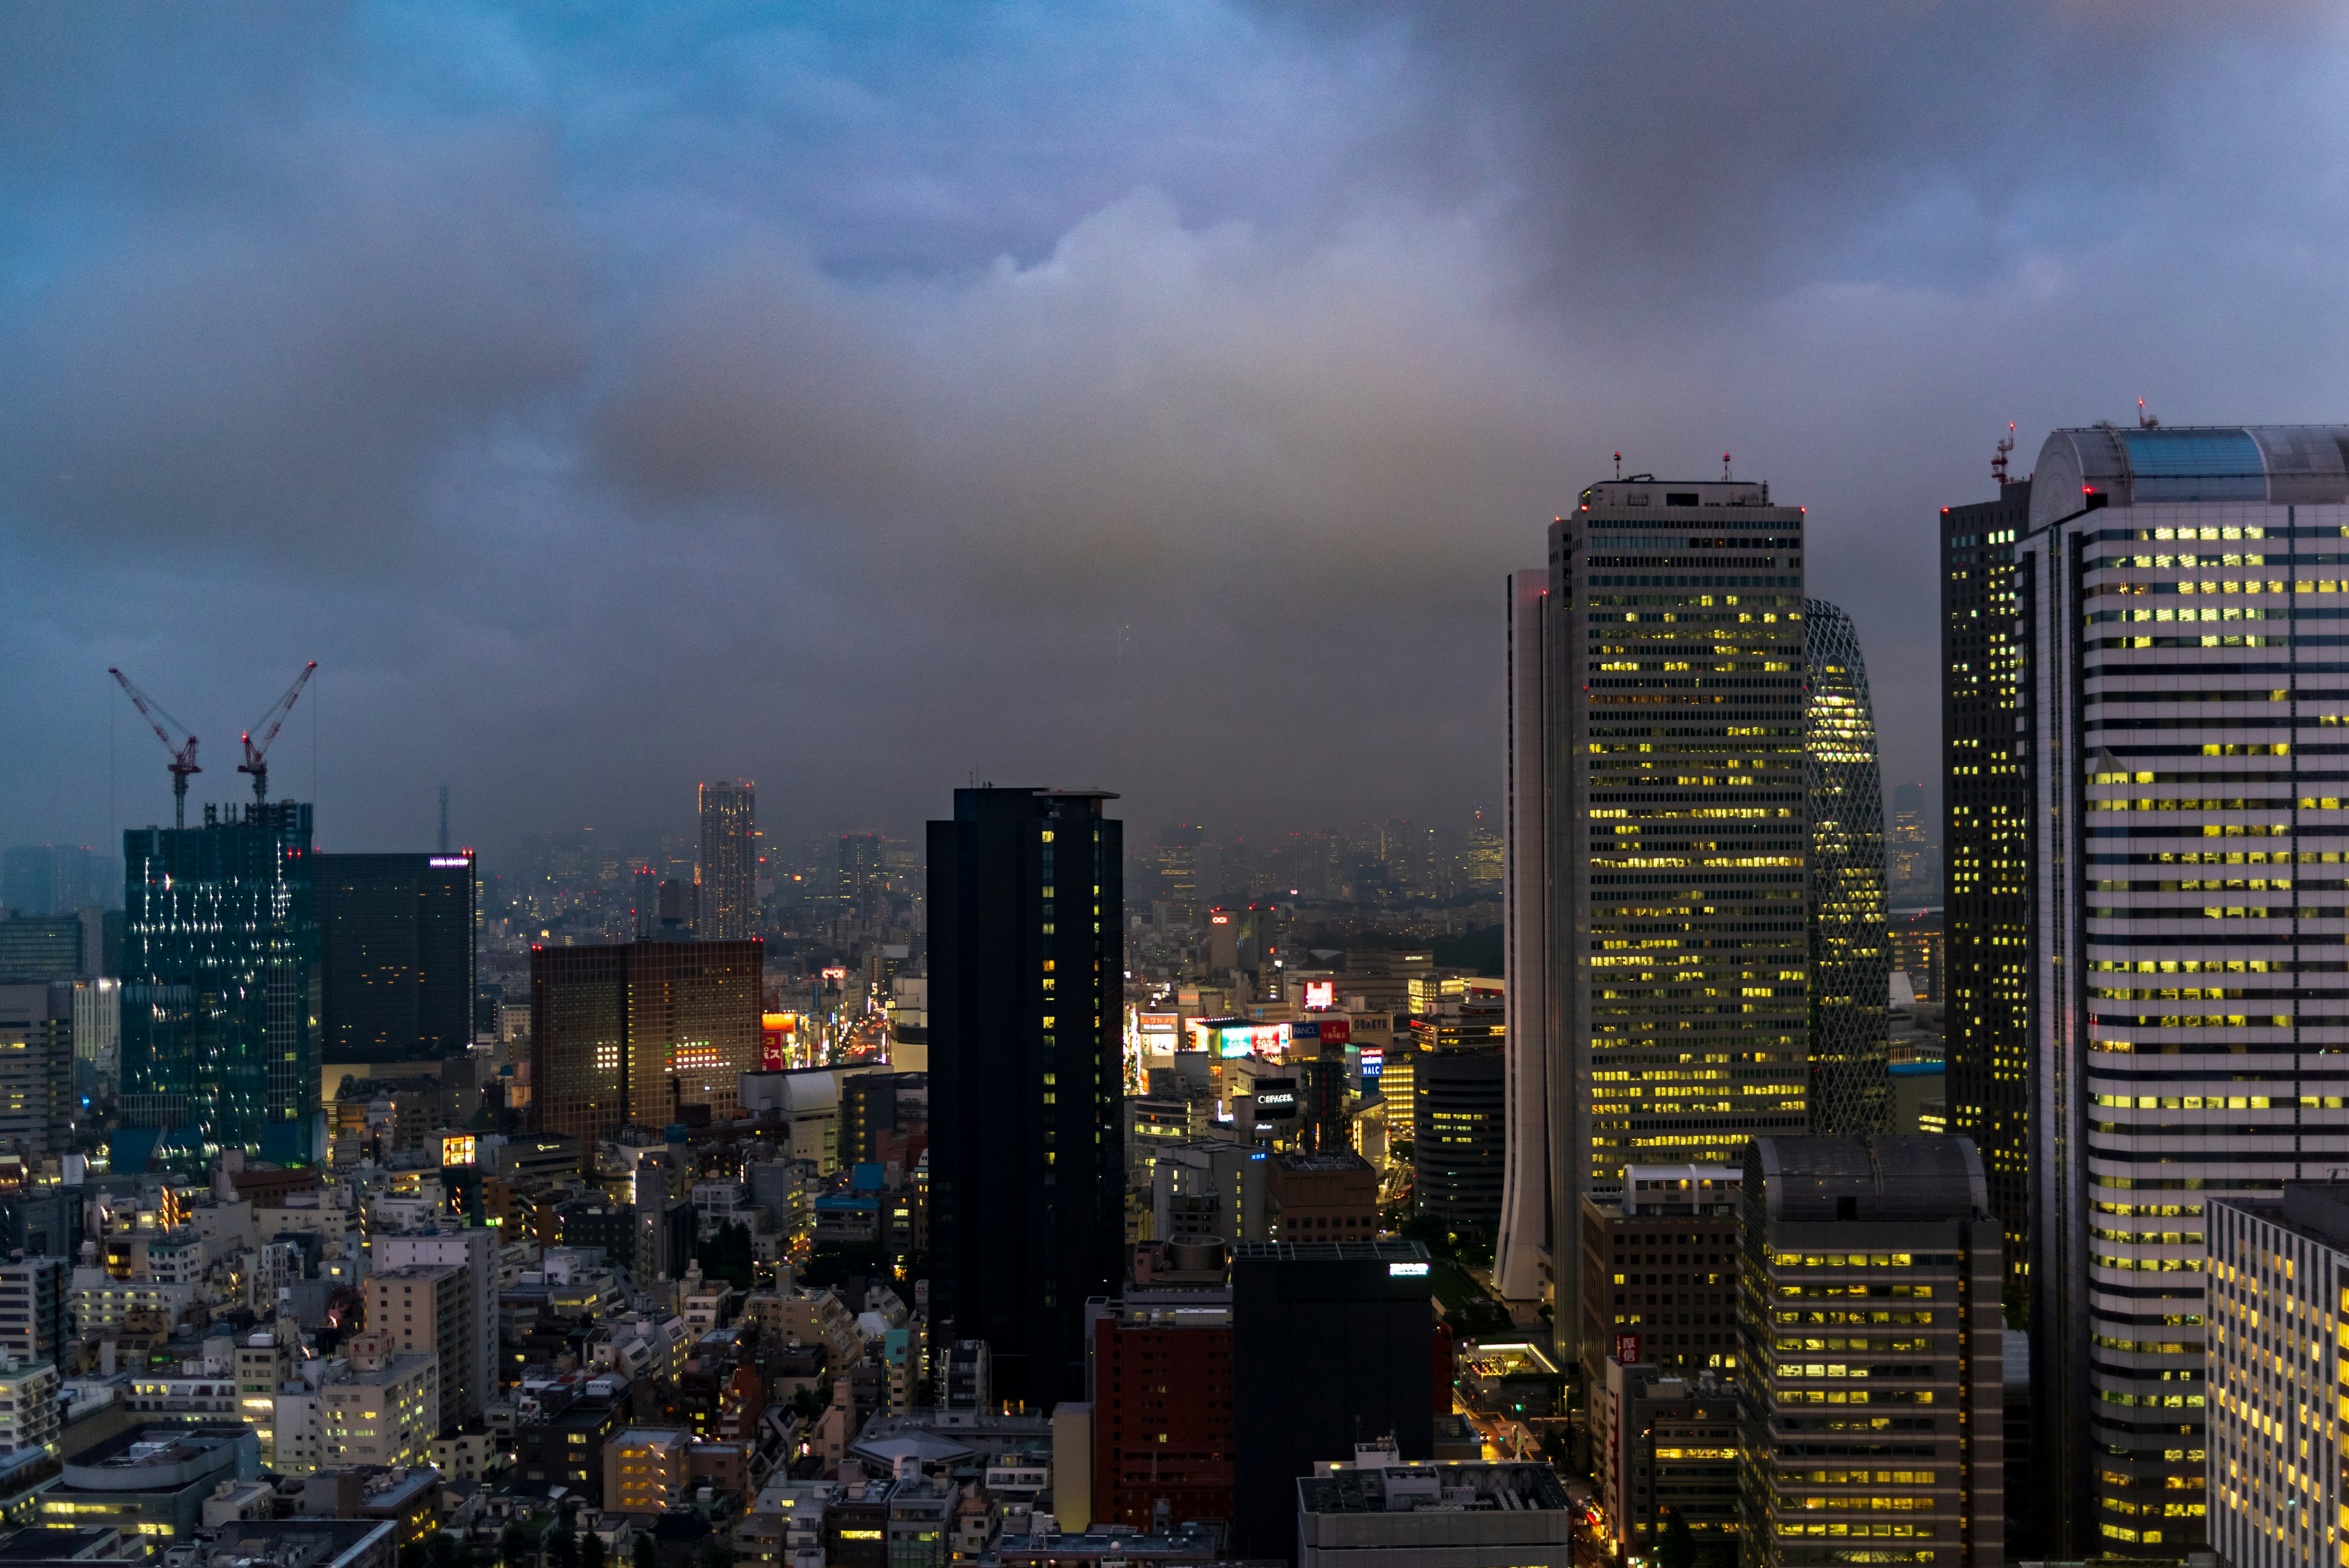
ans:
(1459, 1138)
(469, 1367)
(641, 1033)
(29, 1405)
(2278, 1273)
(1912, 858)
(39, 879)
(1659, 1263)
(420, 1309)
(1663, 1441)
(396, 942)
(882, 1112)
(36, 950)
(1333, 1344)
(1851, 970)
(1321, 1197)
(220, 984)
(1986, 820)
(1871, 1354)
(1679, 835)
(1162, 1403)
(1179, 847)
(1027, 922)
(728, 873)
(1381, 1509)
(151, 1483)
(1917, 943)
(36, 1058)
(2183, 764)
(1522, 1243)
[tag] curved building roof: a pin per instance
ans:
(1881, 1177)
(2275, 465)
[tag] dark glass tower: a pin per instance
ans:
(1986, 909)
(396, 934)
(1027, 911)
(220, 981)
(1851, 958)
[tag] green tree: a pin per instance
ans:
(716, 1553)
(591, 1550)
(1677, 1547)
(849, 1266)
(563, 1549)
(444, 1552)
(644, 1553)
(514, 1546)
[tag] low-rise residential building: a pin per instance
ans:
(644, 1468)
(28, 1406)
(100, 1304)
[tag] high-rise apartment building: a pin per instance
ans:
(469, 1370)
(221, 981)
(729, 870)
(1872, 1350)
(641, 1033)
(395, 940)
(33, 1325)
(1985, 989)
(2278, 1270)
(1027, 911)
(2178, 592)
(1678, 831)
(1852, 969)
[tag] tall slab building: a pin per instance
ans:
(397, 953)
(221, 984)
(1851, 959)
(2182, 595)
(1521, 1243)
(728, 869)
(1677, 839)
(1986, 810)
(642, 1034)
(1027, 902)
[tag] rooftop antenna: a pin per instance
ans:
(1998, 464)
(1619, 465)
(1724, 466)
(2146, 422)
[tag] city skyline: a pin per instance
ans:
(1384, 293)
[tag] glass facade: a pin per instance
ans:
(2186, 678)
(221, 981)
(1986, 807)
(1678, 833)
(1851, 963)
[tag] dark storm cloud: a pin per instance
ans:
(854, 400)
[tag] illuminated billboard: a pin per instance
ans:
(1229, 1037)
(1158, 1024)
(1320, 996)
(1374, 1061)
(459, 1149)
(777, 1033)
(1322, 1031)
(449, 862)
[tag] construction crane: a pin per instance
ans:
(256, 756)
(183, 752)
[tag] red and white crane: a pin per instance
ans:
(256, 754)
(183, 751)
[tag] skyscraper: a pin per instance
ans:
(729, 870)
(395, 939)
(641, 1033)
(1027, 906)
(1851, 962)
(2178, 592)
(1524, 1236)
(220, 982)
(1178, 866)
(1679, 835)
(1870, 1436)
(1986, 811)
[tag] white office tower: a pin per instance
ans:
(2184, 605)
(1676, 962)
(2277, 1272)
(1518, 1273)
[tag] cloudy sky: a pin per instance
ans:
(1152, 397)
